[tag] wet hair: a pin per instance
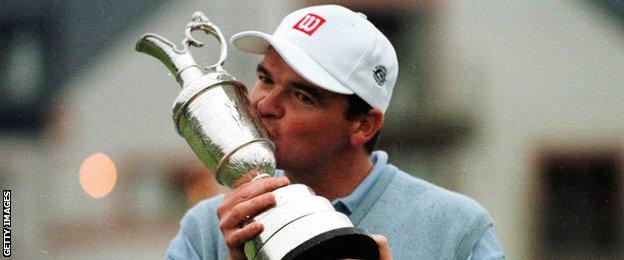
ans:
(358, 108)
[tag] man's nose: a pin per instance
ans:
(270, 104)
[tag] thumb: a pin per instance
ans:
(384, 247)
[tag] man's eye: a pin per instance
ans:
(304, 98)
(264, 79)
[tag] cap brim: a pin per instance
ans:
(259, 42)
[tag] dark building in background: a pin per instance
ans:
(45, 43)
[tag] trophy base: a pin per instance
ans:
(305, 226)
(342, 243)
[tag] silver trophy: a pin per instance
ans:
(213, 114)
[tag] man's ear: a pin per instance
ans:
(365, 127)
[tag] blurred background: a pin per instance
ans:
(518, 104)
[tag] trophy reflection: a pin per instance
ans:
(212, 112)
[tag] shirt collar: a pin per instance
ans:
(350, 202)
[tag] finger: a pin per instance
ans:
(237, 238)
(245, 210)
(250, 190)
(384, 247)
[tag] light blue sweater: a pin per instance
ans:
(421, 221)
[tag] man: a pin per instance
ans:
(322, 90)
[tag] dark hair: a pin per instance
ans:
(357, 108)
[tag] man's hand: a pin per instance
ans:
(242, 204)
(384, 247)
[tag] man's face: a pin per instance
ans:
(306, 123)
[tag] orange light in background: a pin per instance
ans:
(98, 175)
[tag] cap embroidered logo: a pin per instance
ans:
(379, 74)
(309, 23)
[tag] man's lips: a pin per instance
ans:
(269, 130)
(260, 122)
(273, 137)
(272, 134)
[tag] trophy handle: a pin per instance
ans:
(201, 22)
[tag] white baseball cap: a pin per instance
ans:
(334, 48)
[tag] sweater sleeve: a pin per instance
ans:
(181, 248)
(199, 236)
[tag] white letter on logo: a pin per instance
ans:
(308, 23)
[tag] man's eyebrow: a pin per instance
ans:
(261, 69)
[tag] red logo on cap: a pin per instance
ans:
(309, 23)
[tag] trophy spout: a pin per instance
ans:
(180, 63)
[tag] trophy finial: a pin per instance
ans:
(199, 21)
(200, 17)
(180, 62)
